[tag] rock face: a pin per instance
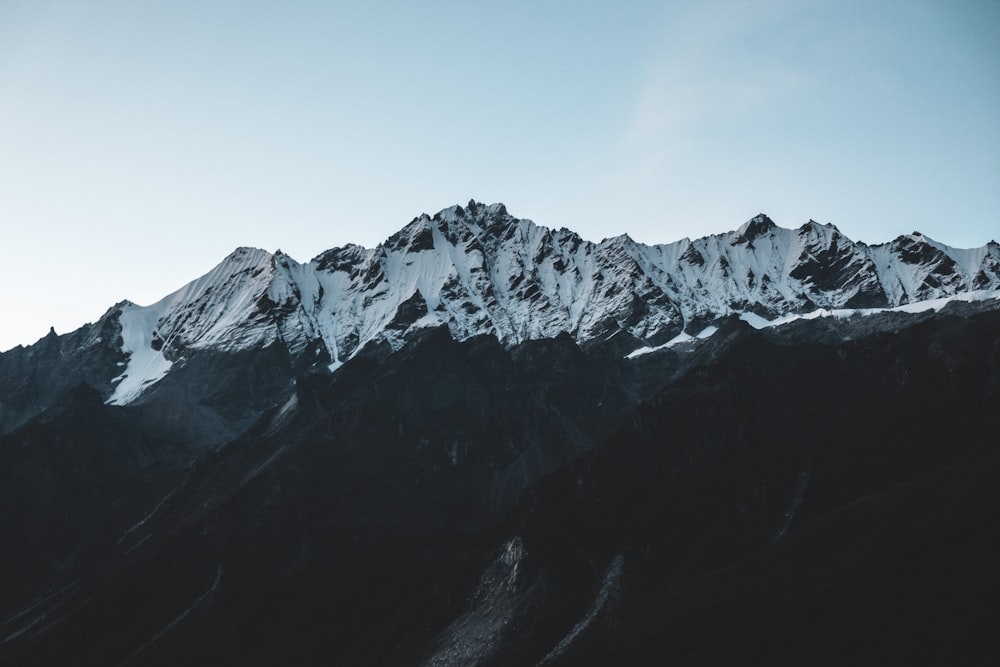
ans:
(456, 502)
(479, 270)
(486, 442)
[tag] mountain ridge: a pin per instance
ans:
(359, 518)
(480, 270)
(372, 456)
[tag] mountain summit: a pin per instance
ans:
(479, 270)
(488, 442)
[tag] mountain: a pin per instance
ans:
(488, 443)
(479, 271)
(388, 514)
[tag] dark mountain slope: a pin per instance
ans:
(904, 576)
(368, 483)
(393, 512)
(239, 334)
(34, 378)
(70, 481)
(738, 455)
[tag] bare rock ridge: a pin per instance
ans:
(479, 270)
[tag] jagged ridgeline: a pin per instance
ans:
(487, 442)
(479, 270)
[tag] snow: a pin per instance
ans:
(969, 259)
(758, 322)
(214, 311)
(682, 337)
(755, 320)
(707, 332)
(146, 366)
(938, 304)
(481, 271)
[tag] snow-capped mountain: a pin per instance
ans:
(479, 270)
(533, 449)
(460, 503)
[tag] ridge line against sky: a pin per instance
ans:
(141, 142)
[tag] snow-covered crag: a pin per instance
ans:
(479, 270)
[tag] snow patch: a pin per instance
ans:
(682, 337)
(146, 366)
(707, 332)
(758, 322)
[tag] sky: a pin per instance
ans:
(141, 142)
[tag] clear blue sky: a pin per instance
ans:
(141, 141)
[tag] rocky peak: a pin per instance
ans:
(915, 249)
(477, 270)
(754, 228)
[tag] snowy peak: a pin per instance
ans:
(915, 268)
(222, 308)
(755, 227)
(835, 271)
(479, 270)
